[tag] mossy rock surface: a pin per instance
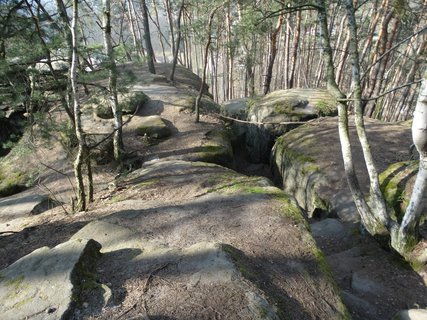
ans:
(300, 176)
(292, 105)
(307, 161)
(397, 182)
(128, 101)
(12, 179)
(153, 127)
(216, 148)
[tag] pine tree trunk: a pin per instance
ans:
(147, 38)
(273, 53)
(295, 49)
(178, 41)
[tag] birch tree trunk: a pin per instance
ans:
(112, 84)
(407, 237)
(369, 221)
(82, 148)
(377, 203)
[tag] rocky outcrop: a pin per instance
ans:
(307, 162)
(129, 102)
(153, 127)
(202, 267)
(270, 115)
(48, 283)
(223, 243)
(397, 182)
(24, 205)
(235, 108)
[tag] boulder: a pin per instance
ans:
(364, 284)
(152, 127)
(24, 205)
(411, 314)
(129, 102)
(216, 148)
(307, 161)
(48, 283)
(235, 108)
(291, 105)
(359, 305)
(328, 229)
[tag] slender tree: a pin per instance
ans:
(205, 63)
(147, 38)
(178, 41)
(82, 156)
(112, 84)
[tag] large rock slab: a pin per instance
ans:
(204, 267)
(235, 108)
(307, 161)
(47, 283)
(197, 223)
(19, 206)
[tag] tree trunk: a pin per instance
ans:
(378, 206)
(205, 63)
(170, 20)
(147, 38)
(295, 49)
(156, 13)
(112, 85)
(178, 40)
(273, 53)
(370, 222)
(407, 237)
(78, 163)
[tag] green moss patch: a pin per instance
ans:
(216, 148)
(395, 185)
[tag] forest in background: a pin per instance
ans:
(254, 46)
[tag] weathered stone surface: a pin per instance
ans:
(412, 314)
(23, 205)
(363, 284)
(216, 148)
(291, 105)
(46, 283)
(153, 127)
(397, 182)
(235, 108)
(329, 229)
(110, 236)
(360, 306)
